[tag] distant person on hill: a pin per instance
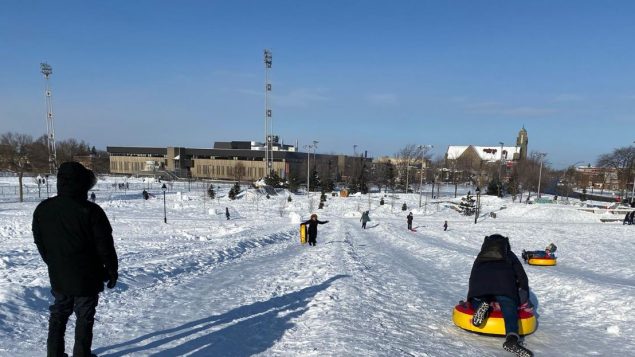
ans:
(92, 197)
(227, 213)
(312, 228)
(409, 217)
(365, 219)
(497, 275)
(445, 226)
(74, 238)
(145, 194)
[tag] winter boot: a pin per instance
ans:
(512, 344)
(481, 314)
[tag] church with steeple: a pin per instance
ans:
(522, 142)
(475, 160)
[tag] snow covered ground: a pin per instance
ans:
(202, 285)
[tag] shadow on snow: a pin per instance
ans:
(249, 329)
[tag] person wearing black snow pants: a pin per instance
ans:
(409, 217)
(74, 238)
(365, 218)
(498, 275)
(312, 228)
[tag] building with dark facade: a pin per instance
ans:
(234, 160)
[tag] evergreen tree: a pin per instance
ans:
(274, 180)
(210, 192)
(467, 205)
(234, 191)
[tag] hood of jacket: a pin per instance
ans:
(74, 180)
(495, 247)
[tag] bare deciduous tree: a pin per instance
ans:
(623, 161)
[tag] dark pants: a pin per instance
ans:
(409, 225)
(61, 310)
(312, 239)
(364, 225)
(509, 308)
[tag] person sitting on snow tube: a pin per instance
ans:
(548, 253)
(498, 275)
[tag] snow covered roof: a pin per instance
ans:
(486, 153)
(454, 152)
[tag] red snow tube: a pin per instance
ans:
(495, 324)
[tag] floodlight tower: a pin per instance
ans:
(47, 70)
(268, 125)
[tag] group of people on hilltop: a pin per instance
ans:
(74, 238)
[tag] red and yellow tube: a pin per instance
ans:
(495, 324)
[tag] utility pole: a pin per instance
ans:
(47, 70)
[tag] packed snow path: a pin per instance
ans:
(244, 287)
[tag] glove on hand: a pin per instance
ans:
(112, 279)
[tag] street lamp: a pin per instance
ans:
(478, 204)
(308, 167)
(165, 215)
(542, 156)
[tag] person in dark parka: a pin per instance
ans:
(409, 217)
(312, 228)
(74, 238)
(498, 275)
(365, 219)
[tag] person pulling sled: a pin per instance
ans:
(312, 228)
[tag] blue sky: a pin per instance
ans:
(377, 74)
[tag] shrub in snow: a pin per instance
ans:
(234, 191)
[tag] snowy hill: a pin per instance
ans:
(202, 285)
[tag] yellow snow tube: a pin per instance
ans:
(495, 324)
(542, 261)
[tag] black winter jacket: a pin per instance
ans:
(497, 271)
(74, 236)
(312, 226)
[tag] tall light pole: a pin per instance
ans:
(423, 149)
(308, 168)
(268, 115)
(542, 156)
(47, 70)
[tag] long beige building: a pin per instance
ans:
(236, 160)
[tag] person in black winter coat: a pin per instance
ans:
(498, 275)
(74, 238)
(409, 218)
(312, 228)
